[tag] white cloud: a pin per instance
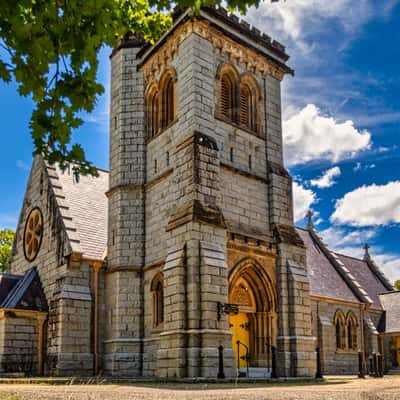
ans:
(296, 19)
(341, 239)
(302, 200)
(369, 206)
(362, 167)
(389, 264)
(23, 165)
(309, 136)
(327, 179)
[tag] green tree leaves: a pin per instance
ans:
(6, 242)
(50, 47)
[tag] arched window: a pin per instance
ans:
(249, 95)
(340, 330)
(167, 83)
(229, 80)
(157, 288)
(351, 331)
(152, 111)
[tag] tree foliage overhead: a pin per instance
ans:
(50, 48)
(6, 242)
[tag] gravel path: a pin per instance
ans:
(387, 388)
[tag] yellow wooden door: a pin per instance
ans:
(239, 324)
(398, 350)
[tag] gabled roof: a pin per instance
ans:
(324, 278)
(339, 276)
(26, 293)
(83, 207)
(370, 280)
(390, 322)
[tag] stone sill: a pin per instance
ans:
(346, 351)
(161, 131)
(241, 127)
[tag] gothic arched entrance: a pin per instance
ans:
(254, 327)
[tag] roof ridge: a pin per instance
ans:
(346, 255)
(379, 274)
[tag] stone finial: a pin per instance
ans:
(366, 254)
(310, 224)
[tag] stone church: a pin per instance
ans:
(183, 260)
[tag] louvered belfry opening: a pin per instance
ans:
(152, 105)
(228, 102)
(167, 91)
(248, 107)
(238, 98)
(160, 103)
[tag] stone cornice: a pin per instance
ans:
(241, 172)
(237, 52)
(140, 186)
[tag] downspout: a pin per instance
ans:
(40, 323)
(362, 333)
(266, 156)
(96, 269)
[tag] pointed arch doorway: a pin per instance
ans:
(254, 327)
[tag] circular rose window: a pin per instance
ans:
(33, 234)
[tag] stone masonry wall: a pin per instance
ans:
(334, 361)
(68, 347)
(123, 308)
(19, 339)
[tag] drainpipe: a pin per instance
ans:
(96, 269)
(362, 334)
(40, 323)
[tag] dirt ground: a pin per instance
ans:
(387, 388)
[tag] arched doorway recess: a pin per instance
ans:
(251, 288)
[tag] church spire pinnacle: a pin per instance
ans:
(366, 253)
(310, 224)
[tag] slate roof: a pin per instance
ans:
(368, 279)
(83, 206)
(391, 320)
(25, 292)
(324, 278)
(7, 282)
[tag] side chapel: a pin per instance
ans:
(183, 260)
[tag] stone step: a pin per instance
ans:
(394, 371)
(255, 373)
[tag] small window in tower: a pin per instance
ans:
(115, 122)
(155, 166)
(228, 98)
(158, 299)
(152, 111)
(167, 158)
(250, 162)
(249, 93)
(228, 89)
(231, 154)
(167, 99)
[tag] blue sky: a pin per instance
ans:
(341, 122)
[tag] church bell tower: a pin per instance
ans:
(206, 272)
